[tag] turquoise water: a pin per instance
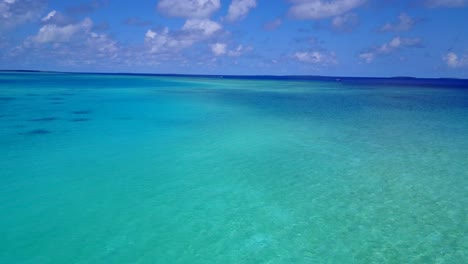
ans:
(145, 169)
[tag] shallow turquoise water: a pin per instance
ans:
(140, 169)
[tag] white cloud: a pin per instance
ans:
(17, 12)
(201, 26)
(151, 34)
(57, 18)
(49, 16)
(346, 22)
(103, 44)
(71, 44)
(395, 44)
(188, 8)
(55, 33)
(454, 61)
(218, 49)
(404, 23)
(319, 9)
(193, 31)
(197, 28)
(446, 3)
(239, 51)
(239, 9)
(367, 56)
(316, 57)
(165, 41)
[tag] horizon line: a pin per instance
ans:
(238, 75)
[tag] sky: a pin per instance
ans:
(368, 38)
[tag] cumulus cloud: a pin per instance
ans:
(405, 23)
(188, 8)
(319, 9)
(239, 51)
(220, 49)
(49, 16)
(17, 12)
(445, 3)
(102, 44)
(316, 57)
(454, 61)
(165, 40)
(56, 18)
(239, 9)
(345, 23)
(205, 27)
(197, 27)
(193, 31)
(395, 44)
(55, 33)
(70, 44)
(367, 56)
(399, 42)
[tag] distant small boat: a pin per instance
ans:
(338, 79)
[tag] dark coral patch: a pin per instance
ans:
(6, 99)
(36, 132)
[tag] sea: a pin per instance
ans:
(128, 168)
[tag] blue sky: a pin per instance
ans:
(421, 38)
